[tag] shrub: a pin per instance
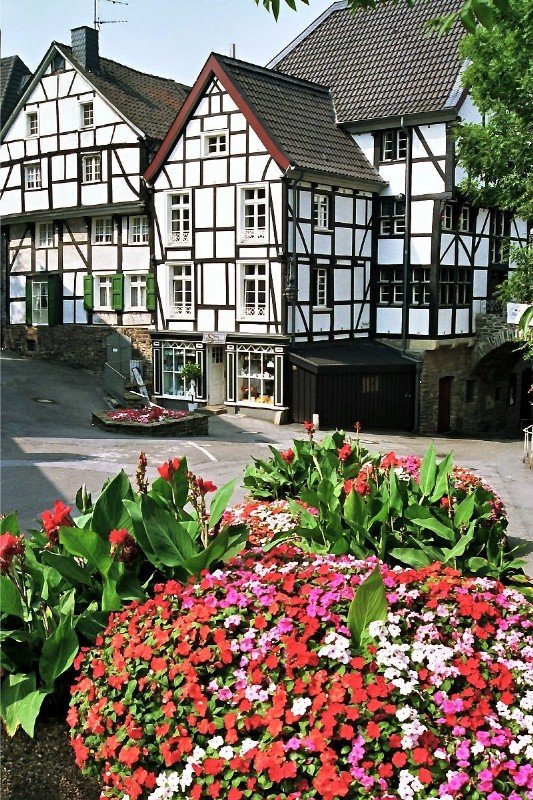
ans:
(247, 685)
(59, 585)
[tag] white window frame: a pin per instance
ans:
(32, 130)
(177, 206)
(39, 313)
(393, 145)
(32, 176)
(105, 283)
(464, 220)
(320, 287)
(181, 280)
(253, 311)
(254, 234)
(392, 224)
(136, 283)
(217, 138)
(321, 211)
(256, 375)
(447, 217)
(138, 229)
(44, 235)
(94, 175)
(103, 231)
(87, 113)
(179, 354)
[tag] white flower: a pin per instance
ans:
(247, 745)
(216, 742)
(226, 752)
(300, 706)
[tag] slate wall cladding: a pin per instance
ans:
(77, 345)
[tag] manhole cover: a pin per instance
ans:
(43, 400)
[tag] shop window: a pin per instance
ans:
(256, 375)
(175, 356)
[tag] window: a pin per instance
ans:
(253, 214)
(256, 374)
(393, 145)
(253, 291)
(215, 143)
(179, 218)
(58, 63)
(175, 356)
(447, 218)
(32, 176)
(138, 230)
(32, 124)
(182, 291)
(369, 384)
(137, 291)
(392, 217)
(420, 286)
(87, 114)
(103, 230)
(39, 302)
(391, 286)
(44, 234)
(500, 226)
(320, 287)
(321, 211)
(464, 218)
(103, 292)
(455, 286)
(91, 168)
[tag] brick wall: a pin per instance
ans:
(77, 345)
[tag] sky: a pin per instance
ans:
(171, 38)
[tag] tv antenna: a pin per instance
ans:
(98, 21)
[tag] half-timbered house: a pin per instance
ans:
(263, 242)
(76, 235)
(437, 259)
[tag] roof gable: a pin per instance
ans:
(293, 118)
(380, 62)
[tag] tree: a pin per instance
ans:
(518, 287)
(472, 13)
(497, 154)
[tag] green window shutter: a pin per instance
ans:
(29, 305)
(117, 292)
(88, 292)
(150, 292)
(55, 299)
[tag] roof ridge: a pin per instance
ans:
(284, 76)
(126, 66)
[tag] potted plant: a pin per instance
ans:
(190, 373)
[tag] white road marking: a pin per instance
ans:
(203, 450)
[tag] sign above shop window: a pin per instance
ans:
(214, 338)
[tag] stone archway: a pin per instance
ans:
(497, 367)
(489, 342)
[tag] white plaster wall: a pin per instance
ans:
(418, 322)
(444, 321)
(389, 320)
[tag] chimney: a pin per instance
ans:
(84, 43)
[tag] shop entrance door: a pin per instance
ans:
(216, 392)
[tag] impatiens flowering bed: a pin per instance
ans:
(246, 684)
(145, 416)
(265, 519)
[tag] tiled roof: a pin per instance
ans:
(150, 102)
(14, 75)
(300, 119)
(380, 62)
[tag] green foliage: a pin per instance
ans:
(497, 154)
(58, 593)
(368, 605)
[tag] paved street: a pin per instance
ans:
(50, 448)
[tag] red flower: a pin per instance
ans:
(204, 486)
(287, 455)
(389, 460)
(10, 546)
(344, 452)
(120, 536)
(357, 427)
(309, 427)
(168, 469)
(54, 518)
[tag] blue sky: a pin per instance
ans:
(165, 37)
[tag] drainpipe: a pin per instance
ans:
(407, 234)
(407, 266)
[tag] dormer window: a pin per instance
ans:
(87, 114)
(215, 143)
(32, 124)
(393, 145)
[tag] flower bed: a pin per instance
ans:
(265, 520)
(154, 421)
(247, 685)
